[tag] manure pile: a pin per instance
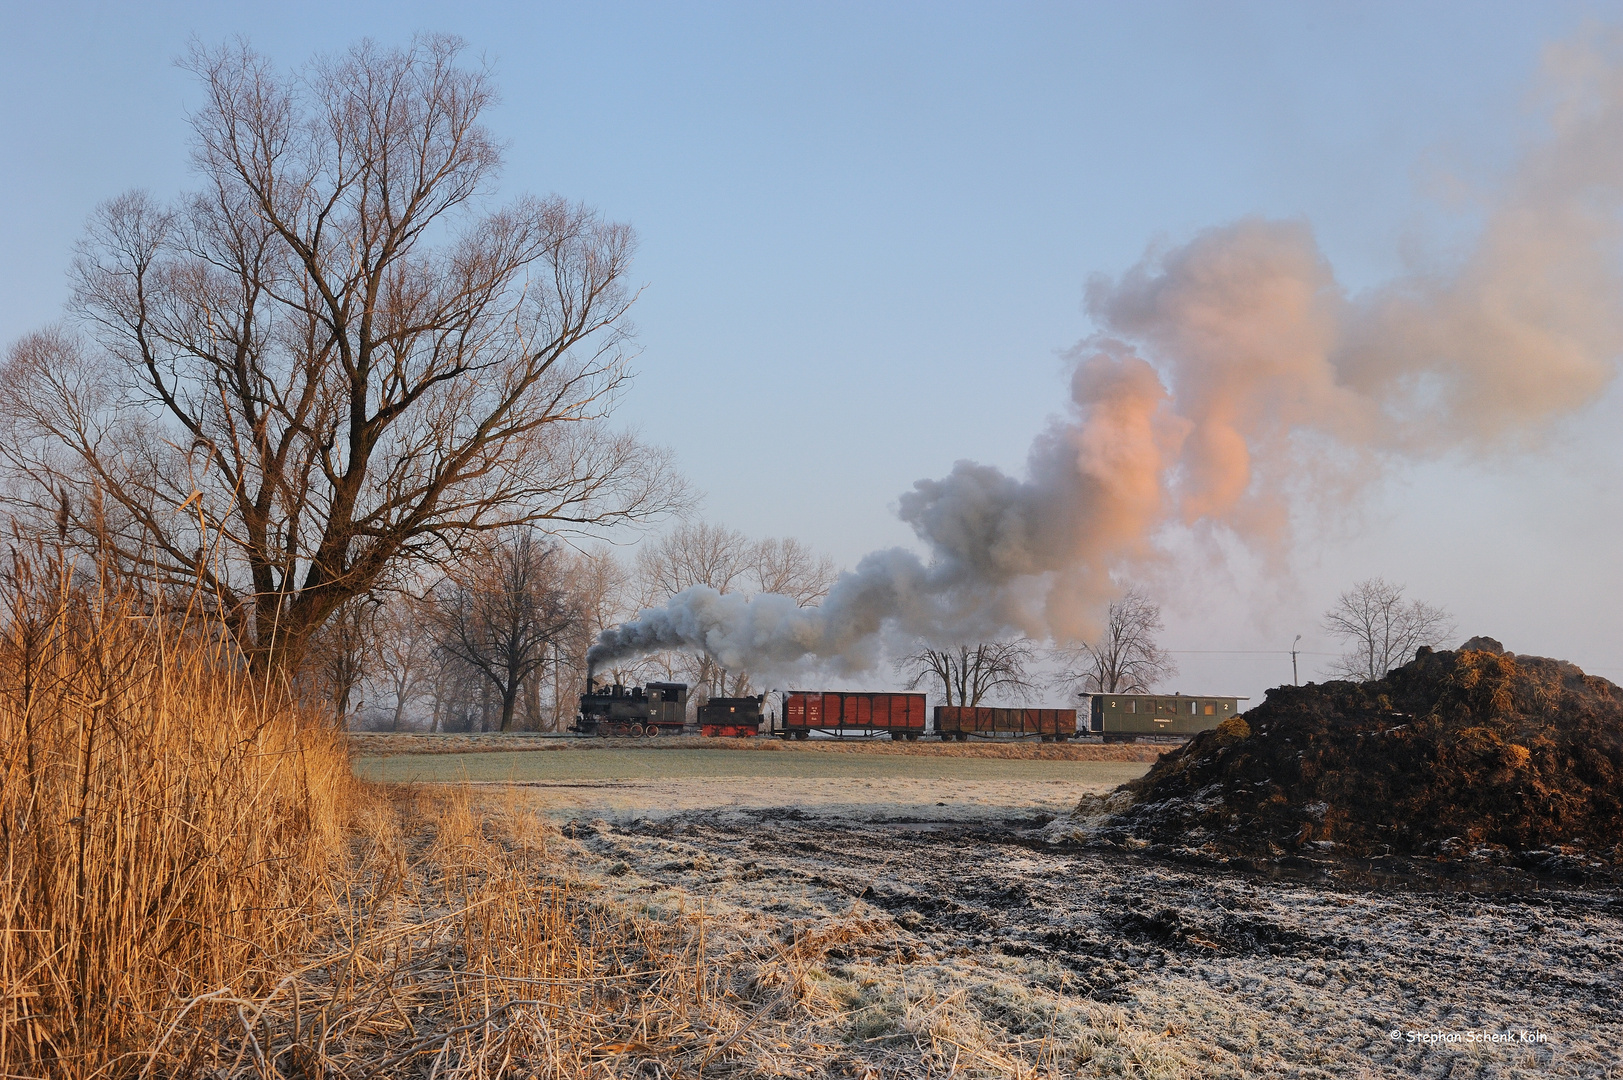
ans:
(1470, 755)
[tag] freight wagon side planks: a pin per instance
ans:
(901, 716)
(961, 721)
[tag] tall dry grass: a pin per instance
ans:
(166, 825)
(193, 885)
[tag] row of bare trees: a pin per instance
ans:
(1381, 628)
(498, 640)
(1124, 659)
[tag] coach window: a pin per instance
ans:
(1211, 708)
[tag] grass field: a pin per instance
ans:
(522, 767)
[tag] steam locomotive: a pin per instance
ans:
(656, 709)
(660, 708)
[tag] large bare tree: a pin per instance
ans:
(1125, 658)
(336, 355)
(969, 673)
(1382, 629)
(503, 610)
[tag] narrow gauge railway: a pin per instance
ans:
(660, 708)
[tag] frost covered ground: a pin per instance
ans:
(977, 948)
(951, 939)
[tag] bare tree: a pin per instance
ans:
(405, 645)
(1382, 629)
(1125, 659)
(333, 357)
(723, 559)
(341, 656)
(969, 673)
(696, 553)
(789, 568)
(602, 591)
(503, 610)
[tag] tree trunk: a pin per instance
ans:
(509, 704)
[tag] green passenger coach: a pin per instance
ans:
(1127, 716)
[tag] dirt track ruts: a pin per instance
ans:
(1195, 971)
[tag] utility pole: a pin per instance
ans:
(1294, 680)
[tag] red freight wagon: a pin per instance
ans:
(961, 721)
(806, 711)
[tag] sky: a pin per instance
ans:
(865, 232)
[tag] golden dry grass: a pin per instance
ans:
(193, 884)
(165, 828)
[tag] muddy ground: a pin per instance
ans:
(1136, 966)
(954, 939)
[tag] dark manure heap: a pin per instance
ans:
(1469, 755)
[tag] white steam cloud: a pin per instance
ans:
(1222, 369)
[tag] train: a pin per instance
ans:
(1125, 717)
(660, 708)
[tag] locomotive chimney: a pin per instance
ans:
(590, 681)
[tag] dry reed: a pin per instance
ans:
(193, 885)
(165, 824)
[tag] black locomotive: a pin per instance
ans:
(656, 709)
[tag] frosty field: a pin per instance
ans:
(979, 940)
(955, 941)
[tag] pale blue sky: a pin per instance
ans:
(865, 231)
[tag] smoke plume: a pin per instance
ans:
(1229, 376)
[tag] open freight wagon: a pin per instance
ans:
(961, 721)
(852, 714)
